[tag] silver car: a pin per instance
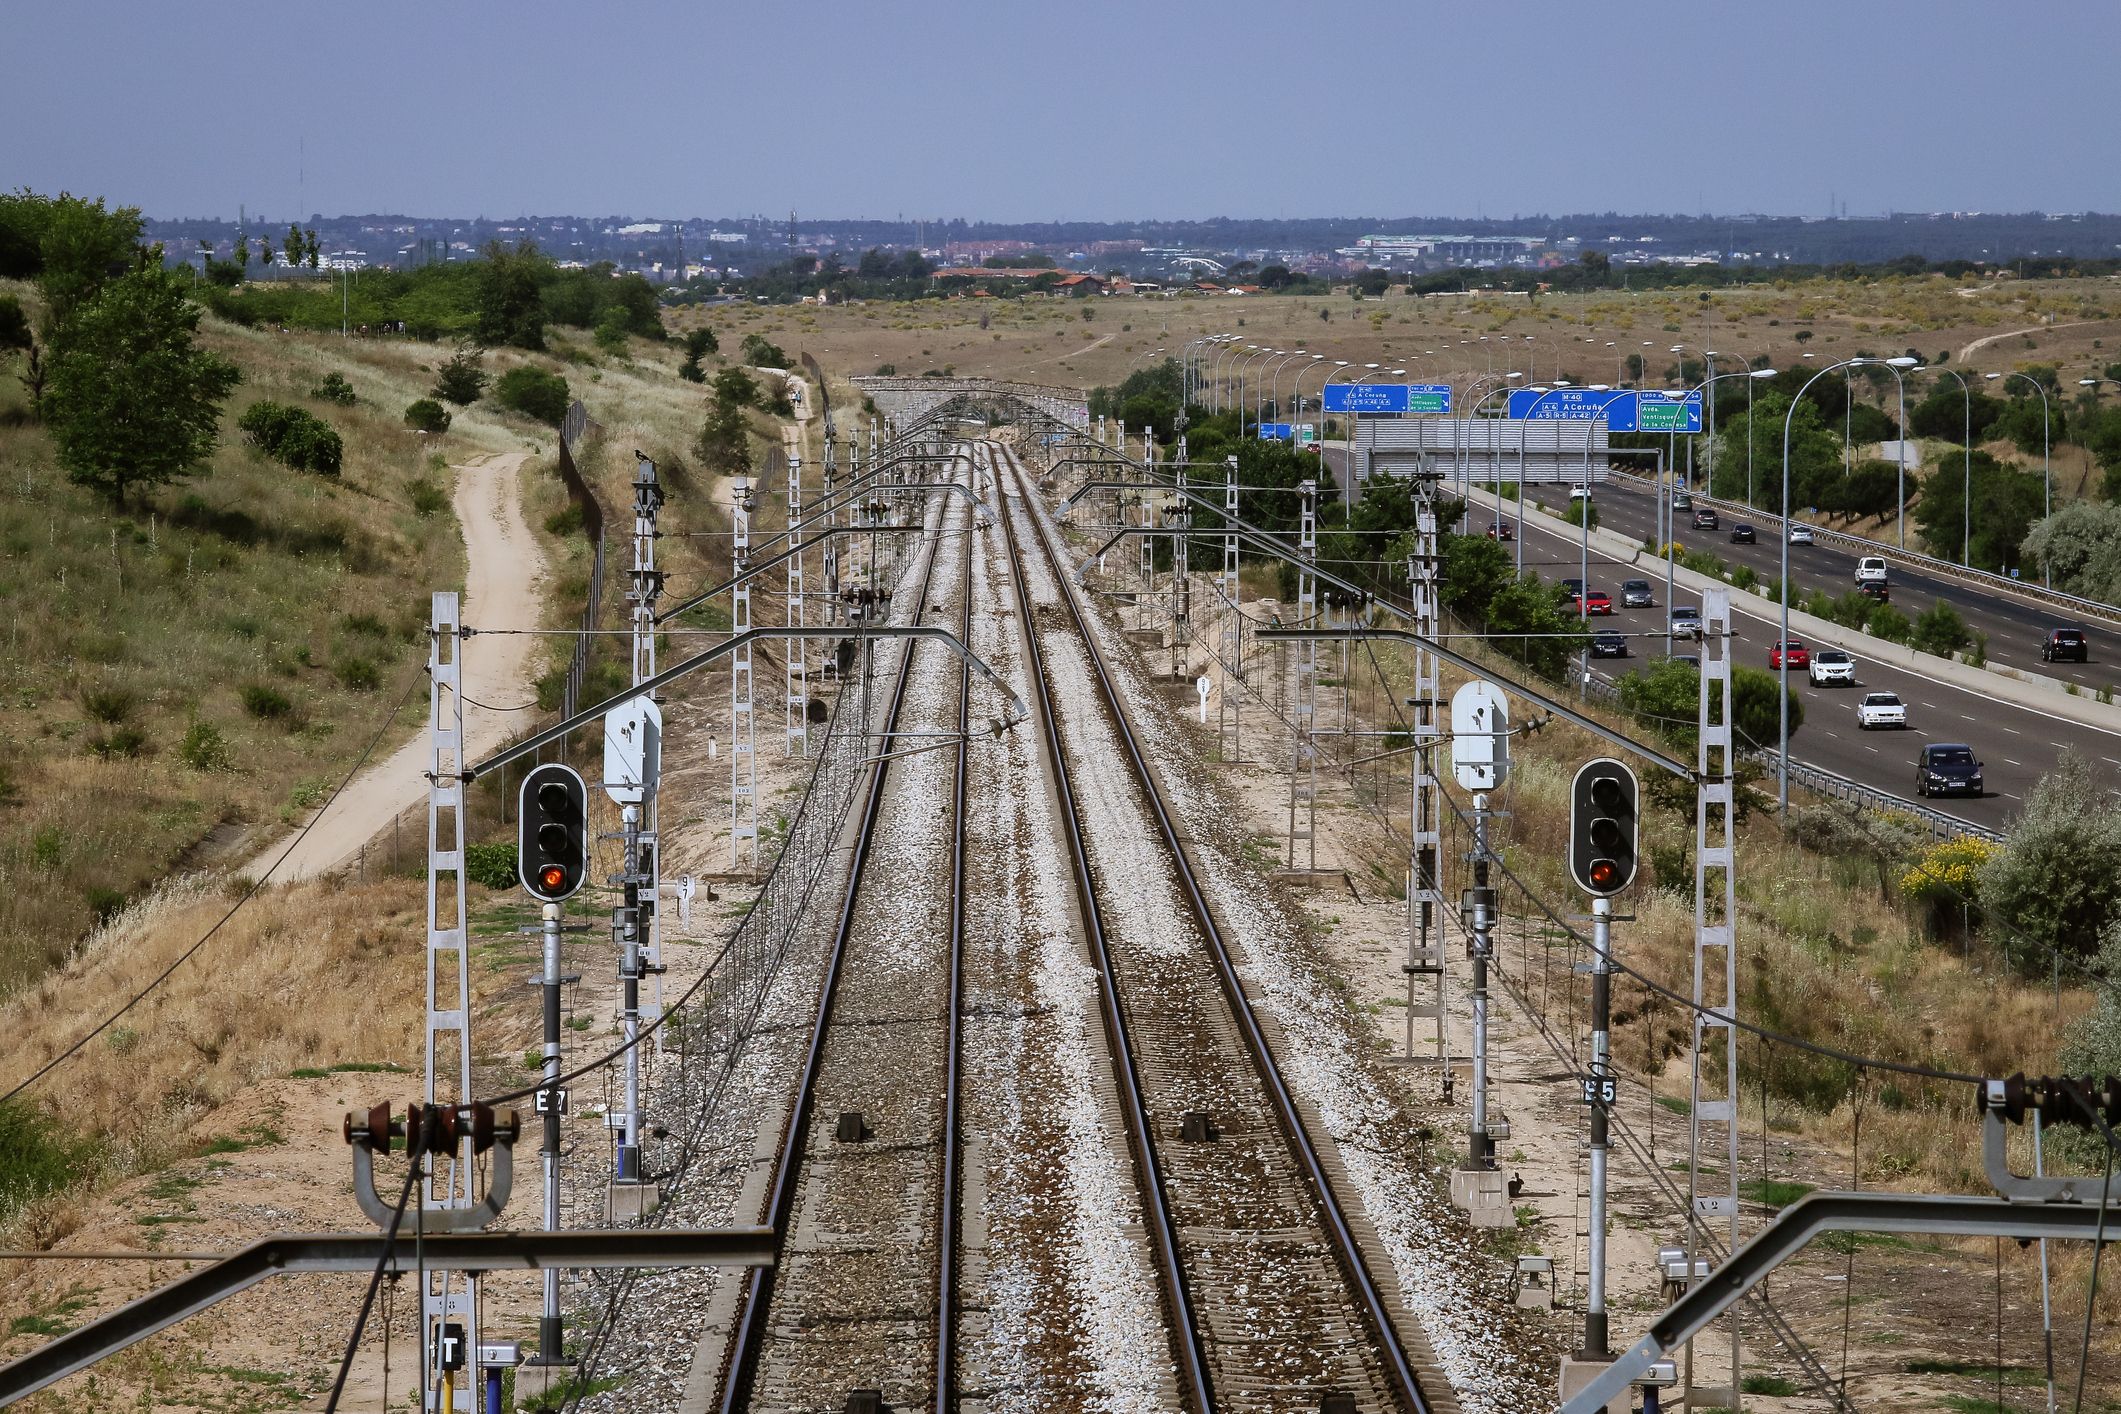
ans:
(1635, 594)
(1686, 622)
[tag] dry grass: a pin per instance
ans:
(314, 974)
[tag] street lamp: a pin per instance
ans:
(1274, 382)
(1782, 700)
(1525, 425)
(1254, 354)
(1751, 376)
(2047, 476)
(1296, 385)
(1966, 457)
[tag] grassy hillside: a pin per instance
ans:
(183, 676)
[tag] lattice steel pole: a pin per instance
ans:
(645, 588)
(1229, 711)
(743, 742)
(446, 1296)
(1181, 549)
(1425, 950)
(1712, 1122)
(1303, 760)
(796, 670)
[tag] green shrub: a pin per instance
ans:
(426, 497)
(2056, 887)
(204, 748)
(109, 705)
(119, 743)
(1889, 623)
(293, 437)
(359, 674)
(461, 380)
(493, 865)
(426, 415)
(534, 393)
(267, 704)
(335, 389)
(567, 520)
(1939, 630)
(36, 1156)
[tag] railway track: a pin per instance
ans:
(1268, 1294)
(864, 1191)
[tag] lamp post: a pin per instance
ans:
(1525, 425)
(1216, 387)
(1296, 384)
(1254, 354)
(1782, 699)
(1966, 457)
(2047, 476)
(1465, 458)
(1274, 382)
(1750, 375)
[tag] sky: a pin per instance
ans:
(1095, 110)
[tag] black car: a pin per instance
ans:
(1947, 768)
(1705, 519)
(1875, 589)
(2066, 645)
(1742, 534)
(1609, 645)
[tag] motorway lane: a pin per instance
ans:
(2015, 627)
(2016, 744)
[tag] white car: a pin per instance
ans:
(1881, 709)
(1831, 667)
(1579, 493)
(1871, 570)
(1800, 535)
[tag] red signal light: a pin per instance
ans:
(553, 877)
(1605, 874)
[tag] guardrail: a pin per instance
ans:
(1929, 564)
(1821, 781)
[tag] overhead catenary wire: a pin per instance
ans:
(248, 894)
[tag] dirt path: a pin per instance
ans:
(1983, 342)
(503, 583)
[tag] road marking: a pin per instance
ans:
(2012, 730)
(2008, 762)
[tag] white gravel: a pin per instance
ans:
(1438, 1266)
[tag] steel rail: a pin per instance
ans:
(1186, 1340)
(947, 1223)
(749, 1337)
(1341, 1236)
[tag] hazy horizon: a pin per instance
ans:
(1108, 113)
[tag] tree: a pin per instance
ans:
(1815, 453)
(265, 252)
(293, 437)
(2056, 886)
(698, 344)
(463, 379)
(735, 387)
(2030, 424)
(427, 415)
(724, 443)
(294, 246)
(611, 331)
(2006, 503)
(80, 246)
(14, 325)
(1667, 699)
(1944, 414)
(760, 352)
(312, 249)
(132, 400)
(511, 309)
(534, 393)
(2080, 545)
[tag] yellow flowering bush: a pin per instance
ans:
(1948, 871)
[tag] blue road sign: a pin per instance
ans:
(1387, 397)
(1624, 410)
(1275, 432)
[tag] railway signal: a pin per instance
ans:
(1603, 825)
(552, 833)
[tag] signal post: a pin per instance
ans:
(1604, 822)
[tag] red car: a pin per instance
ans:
(1800, 656)
(1598, 602)
(1502, 531)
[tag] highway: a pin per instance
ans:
(2015, 627)
(2017, 744)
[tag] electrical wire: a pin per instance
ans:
(252, 892)
(375, 1280)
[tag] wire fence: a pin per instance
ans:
(573, 427)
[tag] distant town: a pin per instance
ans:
(702, 253)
